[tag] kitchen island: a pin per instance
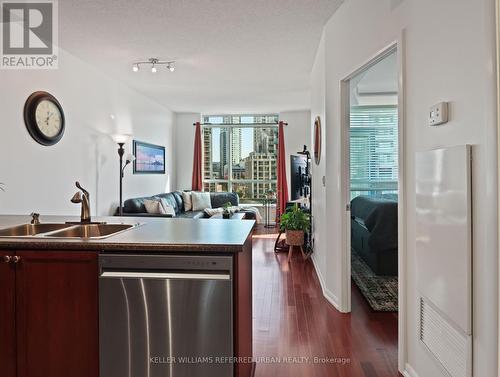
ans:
(149, 300)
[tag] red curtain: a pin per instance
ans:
(282, 188)
(196, 180)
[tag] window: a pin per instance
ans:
(240, 155)
(374, 150)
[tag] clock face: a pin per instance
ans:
(48, 118)
(44, 118)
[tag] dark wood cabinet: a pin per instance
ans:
(49, 315)
(55, 331)
(243, 311)
(7, 315)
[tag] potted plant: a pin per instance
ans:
(295, 222)
(226, 212)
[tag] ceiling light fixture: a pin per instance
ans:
(153, 62)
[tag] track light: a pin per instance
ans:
(153, 63)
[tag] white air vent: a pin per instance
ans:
(451, 347)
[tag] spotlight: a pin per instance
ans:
(153, 64)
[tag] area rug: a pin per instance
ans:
(381, 292)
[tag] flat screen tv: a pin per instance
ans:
(297, 170)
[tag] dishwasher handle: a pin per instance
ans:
(165, 275)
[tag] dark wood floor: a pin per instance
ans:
(293, 320)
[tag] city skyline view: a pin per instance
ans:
(232, 154)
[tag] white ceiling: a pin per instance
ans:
(232, 55)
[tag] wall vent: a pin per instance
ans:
(451, 347)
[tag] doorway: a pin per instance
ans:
(373, 189)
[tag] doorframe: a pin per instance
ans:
(345, 300)
(497, 67)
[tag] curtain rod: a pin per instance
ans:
(239, 124)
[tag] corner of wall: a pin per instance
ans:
(327, 294)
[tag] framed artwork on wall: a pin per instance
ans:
(149, 158)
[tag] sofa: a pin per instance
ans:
(135, 206)
(374, 232)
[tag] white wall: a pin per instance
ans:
(184, 140)
(40, 178)
(296, 135)
(458, 66)
(318, 108)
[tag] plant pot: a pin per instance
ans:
(226, 215)
(295, 237)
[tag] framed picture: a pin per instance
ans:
(149, 158)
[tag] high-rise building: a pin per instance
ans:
(265, 140)
(207, 153)
(260, 164)
(261, 167)
(231, 162)
(224, 149)
(224, 152)
(236, 146)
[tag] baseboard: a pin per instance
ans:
(409, 371)
(327, 294)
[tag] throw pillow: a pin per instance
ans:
(154, 206)
(210, 212)
(186, 198)
(167, 208)
(201, 200)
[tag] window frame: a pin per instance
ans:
(230, 181)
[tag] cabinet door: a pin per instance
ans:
(57, 314)
(7, 316)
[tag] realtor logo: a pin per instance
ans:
(29, 33)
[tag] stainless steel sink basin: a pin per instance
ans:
(91, 231)
(31, 229)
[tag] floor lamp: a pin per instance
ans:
(121, 140)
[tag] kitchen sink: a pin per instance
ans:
(91, 231)
(31, 229)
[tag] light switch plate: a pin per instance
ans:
(438, 114)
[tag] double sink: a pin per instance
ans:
(71, 231)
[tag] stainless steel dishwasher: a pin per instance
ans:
(168, 316)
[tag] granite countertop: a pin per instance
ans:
(153, 234)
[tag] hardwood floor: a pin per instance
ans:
(292, 319)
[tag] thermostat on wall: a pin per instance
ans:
(438, 114)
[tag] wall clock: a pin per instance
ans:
(44, 118)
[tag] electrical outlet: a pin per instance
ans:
(438, 114)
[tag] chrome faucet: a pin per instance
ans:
(35, 218)
(85, 200)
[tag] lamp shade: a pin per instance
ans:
(121, 138)
(130, 158)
